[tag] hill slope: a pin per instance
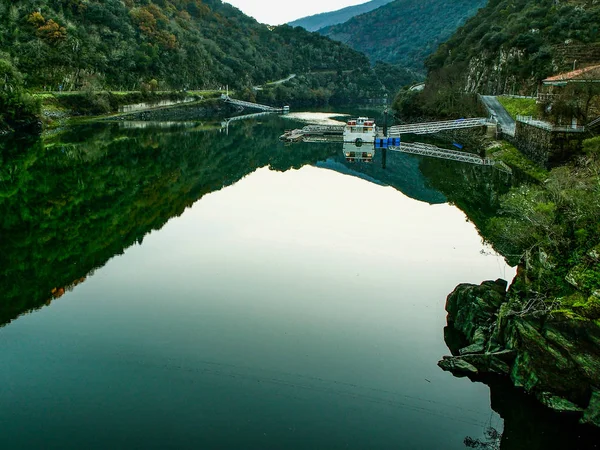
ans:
(119, 44)
(404, 32)
(318, 21)
(510, 46)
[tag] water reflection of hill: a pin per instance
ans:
(70, 204)
(401, 172)
(67, 205)
(474, 189)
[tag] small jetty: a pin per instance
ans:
(309, 132)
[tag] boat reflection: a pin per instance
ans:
(358, 153)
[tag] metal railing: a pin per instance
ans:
(434, 127)
(529, 120)
(323, 129)
(593, 123)
(543, 97)
(436, 152)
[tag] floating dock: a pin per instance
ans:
(312, 131)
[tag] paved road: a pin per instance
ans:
(283, 80)
(274, 83)
(494, 107)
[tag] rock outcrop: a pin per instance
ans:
(554, 356)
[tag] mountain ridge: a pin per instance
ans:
(403, 32)
(321, 20)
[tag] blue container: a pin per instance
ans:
(381, 143)
(393, 141)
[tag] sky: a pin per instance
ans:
(276, 12)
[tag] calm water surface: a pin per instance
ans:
(226, 291)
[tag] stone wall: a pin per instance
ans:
(547, 148)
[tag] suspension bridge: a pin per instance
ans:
(435, 127)
(243, 104)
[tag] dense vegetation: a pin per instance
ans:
(508, 48)
(17, 108)
(442, 98)
(510, 45)
(554, 226)
(318, 21)
(404, 32)
(121, 44)
(358, 86)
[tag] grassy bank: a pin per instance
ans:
(520, 106)
(511, 156)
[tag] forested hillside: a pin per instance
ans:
(511, 45)
(318, 21)
(120, 44)
(404, 32)
(508, 47)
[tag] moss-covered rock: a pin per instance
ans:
(545, 363)
(458, 366)
(554, 355)
(557, 403)
(472, 309)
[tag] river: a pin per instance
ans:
(197, 287)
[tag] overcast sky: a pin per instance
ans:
(276, 12)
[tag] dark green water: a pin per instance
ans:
(185, 287)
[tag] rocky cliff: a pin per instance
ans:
(553, 356)
(510, 46)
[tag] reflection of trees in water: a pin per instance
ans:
(71, 203)
(473, 189)
(491, 441)
(528, 424)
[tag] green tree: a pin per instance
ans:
(17, 108)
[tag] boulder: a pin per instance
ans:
(472, 309)
(458, 366)
(474, 364)
(555, 357)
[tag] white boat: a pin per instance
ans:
(360, 130)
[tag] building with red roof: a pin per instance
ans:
(585, 75)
